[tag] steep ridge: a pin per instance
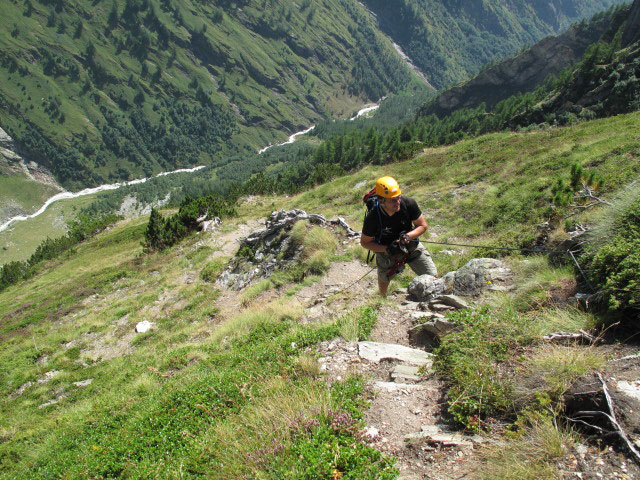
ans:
(451, 40)
(525, 71)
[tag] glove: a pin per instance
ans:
(395, 248)
(404, 239)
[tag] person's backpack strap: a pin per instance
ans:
(371, 201)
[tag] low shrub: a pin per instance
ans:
(213, 269)
(469, 361)
(612, 253)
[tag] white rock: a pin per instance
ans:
(631, 389)
(83, 383)
(375, 352)
(144, 326)
(49, 375)
(396, 387)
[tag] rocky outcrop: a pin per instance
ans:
(271, 249)
(285, 218)
(478, 275)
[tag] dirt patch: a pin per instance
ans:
(346, 286)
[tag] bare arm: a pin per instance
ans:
(370, 244)
(420, 225)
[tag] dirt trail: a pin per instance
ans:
(404, 407)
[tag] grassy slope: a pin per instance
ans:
(171, 405)
(19, 193)
(22, 238)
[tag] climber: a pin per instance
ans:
(391, 229)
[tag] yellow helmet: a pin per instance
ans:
(387, 187)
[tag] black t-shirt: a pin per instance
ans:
(394, 225)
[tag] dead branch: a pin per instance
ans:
(595, 427)
(614, 421)
(567, 336)
(628, 357)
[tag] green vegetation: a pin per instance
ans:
(162, 233)
(79, 230)
(177, 400)
(18, 192)
(529, 453)
(612, 255)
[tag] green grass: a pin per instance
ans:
(18, 190)
(184, 398)
(531, 452)
(161, 403)
(22, 238)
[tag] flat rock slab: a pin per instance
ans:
(452, 301)
(403, 373)
(375, 352)
(437, 434)
(391, 387)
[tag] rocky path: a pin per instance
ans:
(405, 416)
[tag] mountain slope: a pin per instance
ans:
(117, 90)
(221, 374)
(527, 70)
(452, 39)
(98, 92)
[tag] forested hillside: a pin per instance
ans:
(113, 90)
(103, 91)
(450, 40)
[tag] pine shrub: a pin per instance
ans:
(612, 253)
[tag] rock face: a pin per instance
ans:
(478, 275)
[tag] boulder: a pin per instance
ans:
(144, 326)
(430, 334)
(478, 275)
(426, 287)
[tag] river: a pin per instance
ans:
(88, 191)
(102, 188)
